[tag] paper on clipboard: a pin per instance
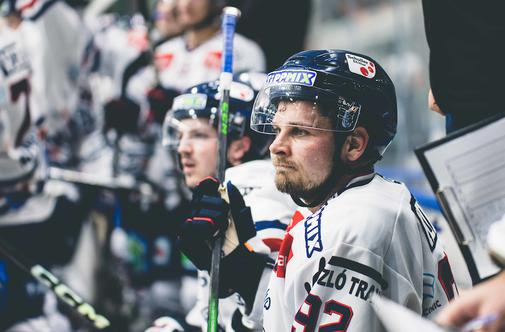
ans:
(467, 172)
(396, 318)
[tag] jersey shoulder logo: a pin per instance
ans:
(429, 231)
(313, 241)
(163, 61)
(12, 59)
(212, 60)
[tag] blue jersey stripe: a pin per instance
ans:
(265, 224)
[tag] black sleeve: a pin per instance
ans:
(466, 45)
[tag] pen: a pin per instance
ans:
(479, 322)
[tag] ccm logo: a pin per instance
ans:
(67, 295)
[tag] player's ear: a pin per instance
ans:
(355, 145)
(237, 150)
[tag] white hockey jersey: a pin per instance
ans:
(271, 211)
(15, 78)
(370, 238)
(119, 46)
(56, 58)
(180, 68)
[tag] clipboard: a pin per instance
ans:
(466, 171)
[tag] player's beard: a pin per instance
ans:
(286, 182)
(292, 181)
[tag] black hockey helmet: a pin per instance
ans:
(351, 88)
(202, 101)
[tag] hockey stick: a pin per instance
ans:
(107, 182)
(230, 17)
(62, 291)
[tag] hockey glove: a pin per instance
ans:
(241, 268)
(122, 115)
(209, 213)
(165, 324)
(160, 101)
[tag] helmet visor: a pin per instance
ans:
(189, 118)
(189, 131)
(303, 106)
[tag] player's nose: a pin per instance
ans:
(185, 146)
(280, 145)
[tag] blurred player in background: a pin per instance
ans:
(195, 56)
(41, 220)
(191, 130)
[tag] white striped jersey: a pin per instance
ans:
(180, 68)
(370, 238)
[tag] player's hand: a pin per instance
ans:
(241, 268)
(484, 301)
(165, 324)
(209, 213)
(432, 104)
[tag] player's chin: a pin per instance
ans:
(192, 179)
(280, 180)
(286, 182)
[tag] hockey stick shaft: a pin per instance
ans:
(230, 17)
(62, 291)
(100, 181)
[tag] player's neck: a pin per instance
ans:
(338, 187)
(13, 21)
(197, 37)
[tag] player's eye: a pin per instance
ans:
(276, 129)
(297, 131)
(199, 135)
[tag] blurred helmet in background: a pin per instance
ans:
(202, 102)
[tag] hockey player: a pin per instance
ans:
(333, 113)
(195, 57)
(55, 38)
(141, 277)
(35, 221)
(20, 89)
(191, 128)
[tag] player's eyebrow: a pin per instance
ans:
(293, 123)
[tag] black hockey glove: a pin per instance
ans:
(160, 101)
(209, 213)
(241, 268)
(121, 114)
